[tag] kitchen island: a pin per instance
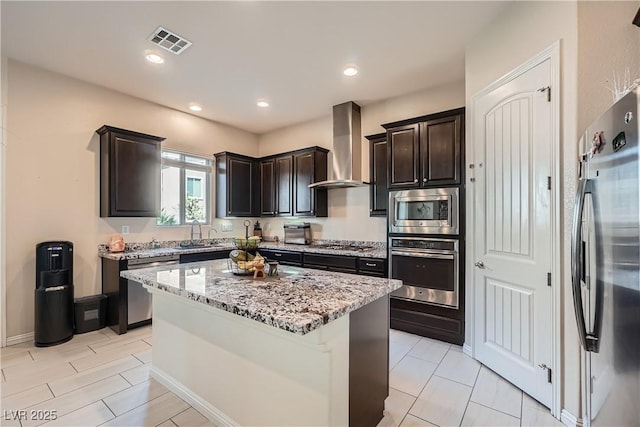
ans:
(306, 347)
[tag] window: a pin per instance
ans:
(186, 189)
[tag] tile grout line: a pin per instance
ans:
(88, 384)
(471, 394)
(145, 403)
(425, 384)
(120, 373)
(108, 407)
(171, 418)
(494, 409)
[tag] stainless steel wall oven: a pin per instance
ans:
(429, 268)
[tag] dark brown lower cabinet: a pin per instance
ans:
(427, 320)
(283, 257)
(338, 263)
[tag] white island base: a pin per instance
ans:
(238, 371)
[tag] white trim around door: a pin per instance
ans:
(552, 54)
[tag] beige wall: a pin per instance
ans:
(608, 46)
(52, 173)
(349, 208)
(524, 30)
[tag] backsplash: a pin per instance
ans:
(142, 246)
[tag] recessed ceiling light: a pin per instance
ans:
(350, 71)
(195, 107)
(262, 103)
(154, 58)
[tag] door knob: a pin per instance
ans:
(479, 264)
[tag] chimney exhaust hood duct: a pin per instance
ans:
(345, 159)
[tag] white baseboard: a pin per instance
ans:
(569, 419)
(18, 339)
(215, 415)
(466, 349)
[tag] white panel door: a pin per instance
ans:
(512, 239)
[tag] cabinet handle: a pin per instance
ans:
(424, 179)
(369, 264)
(415, 180)
(278, 254)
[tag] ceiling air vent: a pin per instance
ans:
(169, 41)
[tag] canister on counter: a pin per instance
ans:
(257, 230)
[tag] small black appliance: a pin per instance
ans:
(53, 293)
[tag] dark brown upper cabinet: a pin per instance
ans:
(271, 186)
(129, 173)
(403, 143)
(379, 193)
(309, 166)
(440, 145)
(426, 151)
(284, 185)
(237, 192)
(267, 187)
(276, 186)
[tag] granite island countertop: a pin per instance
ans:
(299, 300)
(375, 250)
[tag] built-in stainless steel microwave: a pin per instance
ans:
(424, 211)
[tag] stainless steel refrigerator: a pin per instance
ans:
(606, 266)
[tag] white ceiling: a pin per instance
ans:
(291, 53)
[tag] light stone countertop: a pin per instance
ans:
(299, 300)
(378, 250)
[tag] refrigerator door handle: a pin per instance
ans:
(577, 258)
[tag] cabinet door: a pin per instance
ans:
(284, 185)
(403, 156)
(440, 146)
(379, 194)
(304, 200)
(239, 195)
(268, 188)
(134, 176)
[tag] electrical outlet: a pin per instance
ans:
(227, 226)
(125, 229)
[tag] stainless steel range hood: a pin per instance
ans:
(345, 159)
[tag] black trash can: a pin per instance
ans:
(90, 313)
(53, 293)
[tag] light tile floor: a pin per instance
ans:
(435, 384)
(101, 378)
(98, 378)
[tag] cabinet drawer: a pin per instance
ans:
(283, 257)
(204, 256)
(374, 265)
(343, 264)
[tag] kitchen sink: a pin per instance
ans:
(200, 245)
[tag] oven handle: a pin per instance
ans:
(451, 256)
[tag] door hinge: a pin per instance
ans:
(548, 90)
(548, 279)
(548, 183)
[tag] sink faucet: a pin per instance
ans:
(209, 233)
(193, 233)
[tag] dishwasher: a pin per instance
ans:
(139, 302)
